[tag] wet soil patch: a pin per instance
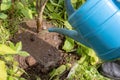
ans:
(44, 48)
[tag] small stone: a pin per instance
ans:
(30, 61)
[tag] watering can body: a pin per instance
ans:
(97, 25)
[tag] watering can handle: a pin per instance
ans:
(69, 8)
(117, 3)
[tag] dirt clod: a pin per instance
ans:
(42, 47)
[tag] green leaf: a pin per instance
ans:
(56, 16)
(93, 57)
(55, 4)
(25, 2)
(83, 1)
(17, 71)
(19, 5)
(85, 71)
(12, 46)
(22, 79)
(10, 78)
(3, 73)
(3, 16)
(27, 12)
(67, 25)
(50, 7)
(23, 53)
(4, 49)
(18, 46)
(74, 1)
(57, 71)
(6, 4)
(9, 58)
(68, 44)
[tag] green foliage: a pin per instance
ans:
(3, 73)
(4, 34)
(3, 16)
(24, 9)
(21, 7)
(27, 12)
(18, 49)
(86, 67)
(12, 49)
(4, 49)
(13, 11)
(55, 10)
(6, 4)
(9, 67)
(85, 71)
(68, 45)
(56, 73)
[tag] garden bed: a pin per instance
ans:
(44, 48)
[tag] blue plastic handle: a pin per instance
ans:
(70, 10)
(117, 3)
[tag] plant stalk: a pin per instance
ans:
(40, 6)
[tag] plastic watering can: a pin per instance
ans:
(96, 25)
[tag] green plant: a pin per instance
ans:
(4, 35)
(13, 11)
(5, 4)
(15, 8)
(85, 71)
(9, 68)
(56, 73)
(86, 67)
(56, 12)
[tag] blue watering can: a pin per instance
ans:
(96, 25)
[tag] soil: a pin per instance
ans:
(44, 48)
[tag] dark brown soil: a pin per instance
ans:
(44, 48)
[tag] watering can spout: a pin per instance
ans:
(70, 33)
(69, 7)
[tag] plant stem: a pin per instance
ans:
(40, 6)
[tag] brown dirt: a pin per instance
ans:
(44, 48)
